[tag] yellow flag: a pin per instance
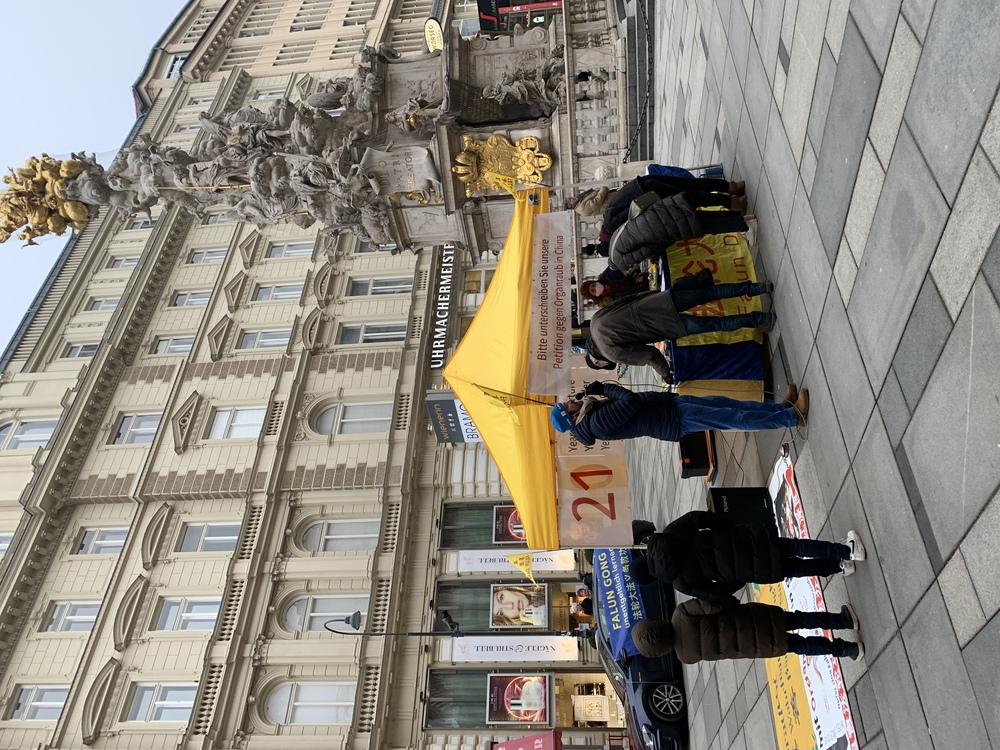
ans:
(505, 181)
(522, 561)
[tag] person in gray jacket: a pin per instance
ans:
(625, 331)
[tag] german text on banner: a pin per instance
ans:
(548, 363)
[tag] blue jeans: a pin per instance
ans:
(819, 646)
(801, 558)
(685, 299)
(698, 413)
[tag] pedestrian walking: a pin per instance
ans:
(705, 555)
(608, 411)
(625, 330)
(708, 631)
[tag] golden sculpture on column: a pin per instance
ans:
(521, 160)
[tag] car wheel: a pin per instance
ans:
(641, 531)
(665, 702)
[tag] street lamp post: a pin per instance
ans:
(353, 621)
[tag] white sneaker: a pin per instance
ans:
(853, 541)
(847, 567)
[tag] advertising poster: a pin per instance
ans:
(517, 606)
(491, 561)
(808, 696)
(506, 648)
(507, 528)
(518, 699)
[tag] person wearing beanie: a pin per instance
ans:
(705, 555)
(583, 607)
(592, 202)
(708, 631)
(625, 330)
(608, 411)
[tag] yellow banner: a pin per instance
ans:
(505, 181)
(522, 561)
(727, 256)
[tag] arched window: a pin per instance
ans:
(347, 535)
(15, 436)
(312, 703)
(309, 613)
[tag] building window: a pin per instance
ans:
(291, 250)
(173, 345)
(276, 292)
(209, 537)
(142, 224)
(393, 285)
(136, 429)
(102, 304)
(71, 617)
(39, 702)
(188, 127)
(193, 298)
(477, 282)
(309, 613)
(365, 247)
(312, 703)
(174, 65)
(21, 436)
(101, 541)
(217, 217)
(269, 95)
(372, 333)
(236, 423)
(80, 351)
(157, 701)
(353, 419)
(215, 255)
(123, 261)
(480, 525)
(342, 536)
(5, 539)
(264, 339)
(187, 614)
(462, 697)
(200, 101)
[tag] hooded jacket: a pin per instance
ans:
(704, 555)
(708, 631)
(616, 211)
(625, 414)
(626, 330)
(663, 223)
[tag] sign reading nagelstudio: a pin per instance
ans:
(442, 308)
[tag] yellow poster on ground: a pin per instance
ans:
(727, 256)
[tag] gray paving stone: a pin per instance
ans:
(770, 239)
(956, 476)
(788, 18)
(991, 266)
(982, 659)
(804, 47)
(855, 90)
(867, 189)
(865, 707)
(766, 28)
(892, 406)
(845, 271)
(739, 38)
(812, 266)
(836, 19)
(879, 743)
(866, 589)
(759, 727)
(876, 20)
(964, 608)
(898, 701)
(715, 35)
(824, 433)
(796, 335)
(953, 87)
(918, 13)
(711, 708)
(821, 94)
(780, 167)
(908, 222)
(853, 397)
(807, 166)
(981, 556)
(923, 339)
(942, 681)
(758, 97)
(748, 156)
(895, 535)
(807, 479)
(973, 222)
(989, 139)
(896, 81)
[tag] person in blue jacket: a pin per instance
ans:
(608, 411)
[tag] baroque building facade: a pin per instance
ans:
(213, 437)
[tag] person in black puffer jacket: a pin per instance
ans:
(607, 411)
(703, 554)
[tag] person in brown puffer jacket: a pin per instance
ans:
(709, 631)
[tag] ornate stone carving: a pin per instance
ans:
(521, 160)
(544, 85)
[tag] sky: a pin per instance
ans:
(66, 86)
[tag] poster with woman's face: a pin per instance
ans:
(507, 528)
(515, 606)
(518, 699)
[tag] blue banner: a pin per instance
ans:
(618, 597)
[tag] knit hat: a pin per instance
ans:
(593, 202)
(561, 419)
(653, 638)
(593, 353)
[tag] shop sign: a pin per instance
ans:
(504, 648)
(433, 35)
(449, 418)
(442, 308)
(492, 561)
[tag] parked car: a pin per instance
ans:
(651, 689)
